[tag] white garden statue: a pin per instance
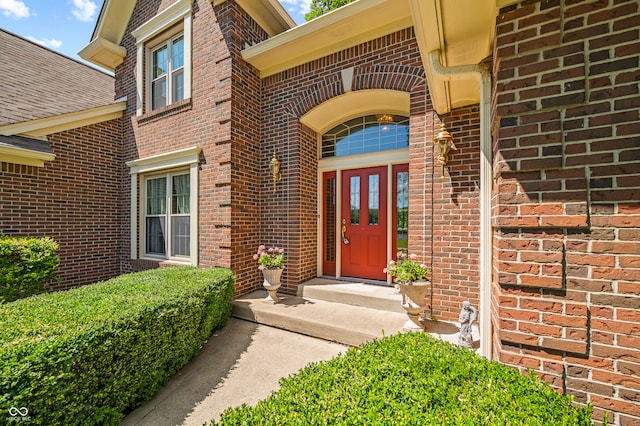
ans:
(468, 315)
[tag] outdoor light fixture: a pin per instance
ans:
(444, 142)
(274, 168)
(384, 119)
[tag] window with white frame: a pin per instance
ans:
(167, 215)
(164, 206)
(167, 72)
(163, 74)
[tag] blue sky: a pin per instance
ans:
(66, 25)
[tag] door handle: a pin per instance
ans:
(345, 240)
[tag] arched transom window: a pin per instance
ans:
(363, 135)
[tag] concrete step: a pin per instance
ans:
(378, 297)
(338, 322)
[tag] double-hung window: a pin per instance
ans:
(164, 206)
(163, 46)
(168, 216)
(167, 79)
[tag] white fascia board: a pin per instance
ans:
(59, 123)
(25, 156)
(427, 24)
(318, 37)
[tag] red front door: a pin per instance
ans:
(363, 223)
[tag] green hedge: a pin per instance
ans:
(410, 379)
(91, 354)
(26, 265)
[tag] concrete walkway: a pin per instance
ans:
(241, 363)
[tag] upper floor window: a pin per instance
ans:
(163, 71)
(167, 79)
(368, 134)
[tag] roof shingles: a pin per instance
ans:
(40, 83)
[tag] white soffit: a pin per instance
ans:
(342, 28)
(104, 49)
(269, 14)
(463, 30)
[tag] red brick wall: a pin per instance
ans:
(73, 199)
(221, 118)
(292, 212)
(566, 298)
(246, 153)
(443, 213)
(456, 217)
(239, 121)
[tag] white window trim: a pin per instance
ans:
(184, 158)
(163, 21)
(168, 44)
(167, 175)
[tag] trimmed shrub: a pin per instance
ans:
(89, 355)
(410, 379)
(26, 265)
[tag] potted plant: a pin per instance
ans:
(271, 261)
(409, 274)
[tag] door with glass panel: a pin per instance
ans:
(363, 223)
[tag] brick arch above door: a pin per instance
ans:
(398, 78)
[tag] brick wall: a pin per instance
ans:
(246, 155)
(566, 298)
(456, 216)
(443, 213)
(240, 121)
(73, 199)
(289, 95)
(220, 117)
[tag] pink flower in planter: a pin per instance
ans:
(270, 258)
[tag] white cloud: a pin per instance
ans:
(51, 43)
(14, 9)
(297, 6)
(84, 10)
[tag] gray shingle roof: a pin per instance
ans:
(21, 142)
(38, 83)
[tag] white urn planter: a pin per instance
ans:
(413, 302)
(272, 283)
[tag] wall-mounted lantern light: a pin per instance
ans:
(444, 142)
(274, 168)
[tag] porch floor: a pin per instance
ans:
(345, 312)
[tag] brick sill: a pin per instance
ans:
(169, 110)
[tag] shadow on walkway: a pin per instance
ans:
(241, 363)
